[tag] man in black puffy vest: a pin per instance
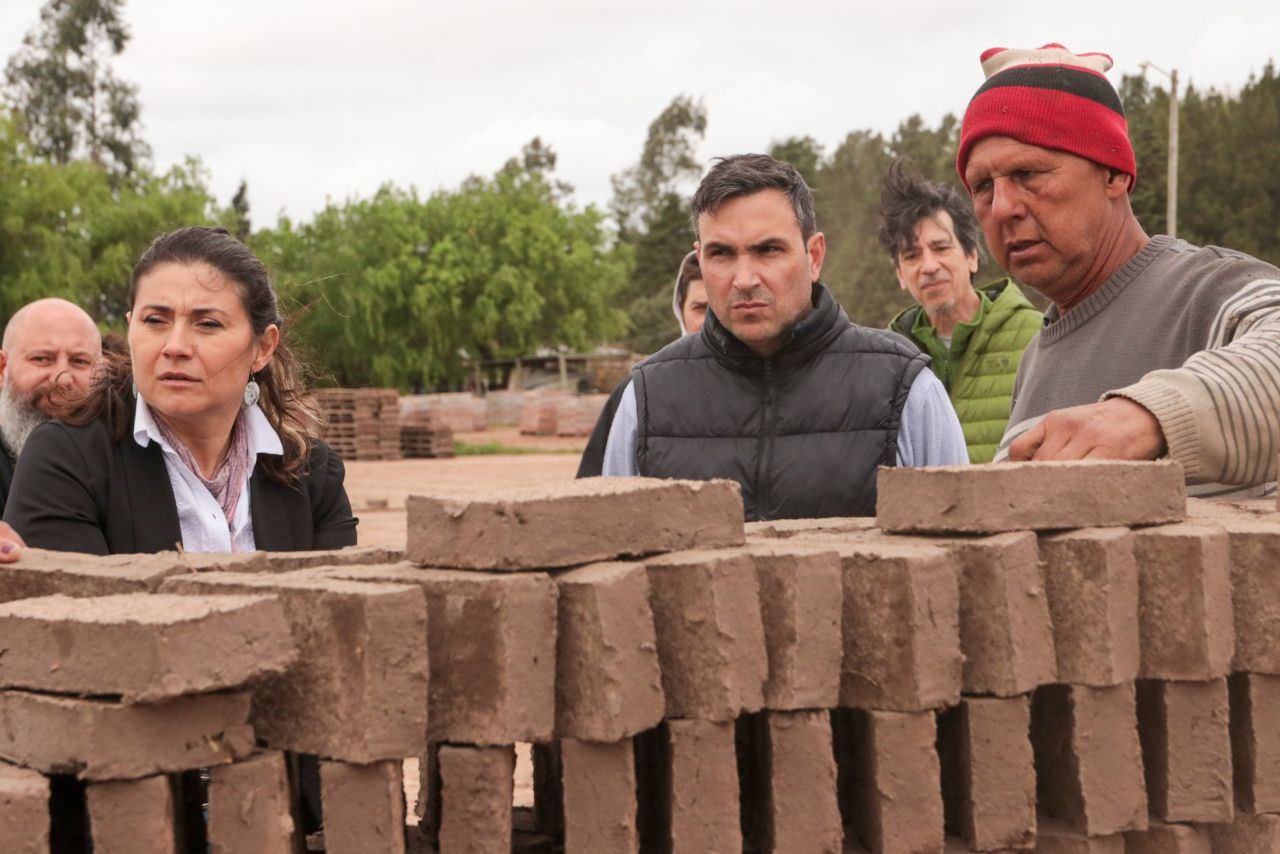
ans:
(779, 391)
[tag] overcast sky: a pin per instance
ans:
(314, 100)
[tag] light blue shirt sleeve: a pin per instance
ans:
(620, 448)
(930, 434)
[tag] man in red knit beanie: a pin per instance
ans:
(1152, 346)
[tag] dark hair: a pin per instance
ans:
(690, 271)
(906, 199)
(748, 174)
(288, 407)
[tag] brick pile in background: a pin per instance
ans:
(461, 412)
(551, 413)
(361, 423)
(423, 432)
(987, 670)
(503, 408)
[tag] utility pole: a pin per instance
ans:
(1171, 195)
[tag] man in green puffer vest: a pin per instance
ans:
(975, 336)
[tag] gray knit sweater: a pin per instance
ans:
(1192, 334)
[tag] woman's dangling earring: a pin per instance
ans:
(251, 392)
(133, 384)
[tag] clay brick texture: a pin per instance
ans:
(24, 810)
(802, 812)
(100, 740)
(475, 791)
(128, 816)
(144, 647)
(599, 797)
(358, 690)
(901, 626)
(706, 610)
(363, 807)
(492, 647)
(1088, 759)
(1091, 578)
(1056, 837)
(1185, 613)
(608, 683)
(1247, 834)
(612, 517)
(1255, 741)
(988, 772)
(1186, 749)
(1255, 553)
(249, 807)
(800, 607)
(989, 499)
(703, 806)
(1161, 838)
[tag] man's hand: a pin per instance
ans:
(11, 545)
(1116, 429)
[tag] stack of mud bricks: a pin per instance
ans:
(123, 676)
(538, 412)
(361, 423)
(1121, 649)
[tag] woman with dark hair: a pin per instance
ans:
(201, 437)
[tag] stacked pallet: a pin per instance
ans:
(361, 423)
(461, 412)
(560, 414)
(538, 413)
(504, 408)
(425, 439)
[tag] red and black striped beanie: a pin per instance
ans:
(1051, 98)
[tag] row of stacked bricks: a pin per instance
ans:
(186, 703)
(423, 431)
(1029, 657)
(1121, 658)
(560, 413)
(361, 423)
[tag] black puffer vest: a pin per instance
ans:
(802, 432)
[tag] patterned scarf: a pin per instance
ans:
(229, 478)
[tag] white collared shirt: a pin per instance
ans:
(204, 525)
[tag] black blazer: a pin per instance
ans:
(77, 490)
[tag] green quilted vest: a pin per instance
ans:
(979, 368)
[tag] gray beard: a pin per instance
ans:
(18, 417)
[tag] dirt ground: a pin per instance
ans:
(378, 489)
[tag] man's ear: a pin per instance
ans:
(897, 272)
(816, 249)
(1118, 183)
(4, 363)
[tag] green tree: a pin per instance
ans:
(236, 216)
(61, 83)
(397, 290)
(651, 208)
(66, 230)
(802, 152)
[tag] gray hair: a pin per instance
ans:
(748, 174)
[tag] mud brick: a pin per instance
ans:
(358, 689)
(1088, 759)
(476, 787)
(608, 683)
(99, 740)
(1161, 838)
(802, 811)
(24, 810)
(1186, 749)
(571, 523)
(800, 593)
(896, 790)
(783, 529)
(492, 643)
(1184, 611)
(1255, 583)
(349, 556)
(1255, 741)
(599, 797)
(704, 787)
(363, 807)
(1005, 630)
(1056, 837)
(706, 610)
(1247, 834)
(127, 816)
(989, 499)
(47, 573)
(988, 772)
(901, 626)
(249, 807)
(1091, 579)
(145, 647)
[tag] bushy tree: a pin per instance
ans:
(72, 105)
(398, 290)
